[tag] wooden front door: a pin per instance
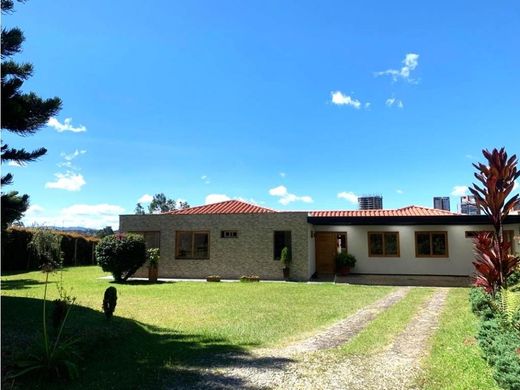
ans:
(326, 250)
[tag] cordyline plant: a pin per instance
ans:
(493, 263)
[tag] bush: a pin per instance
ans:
(77, 249)
(497, 336)
(501, 344)
(213, 278)
(285, 257)
(109, 302)
(154, 256)
(481, 303)
(250, 278)
(345, 259)
(121, 254)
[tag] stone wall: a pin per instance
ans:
(250, 253)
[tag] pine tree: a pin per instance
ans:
(22, 114)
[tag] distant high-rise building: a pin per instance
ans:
(371, 202)
(468, 205)
(441, 203)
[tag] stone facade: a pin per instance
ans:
(251, 252)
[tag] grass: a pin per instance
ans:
(455, 361)
(385, 327)
(162, 330)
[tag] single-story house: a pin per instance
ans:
(234, 238)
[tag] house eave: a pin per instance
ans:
(410, 220)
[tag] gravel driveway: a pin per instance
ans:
(309, 364)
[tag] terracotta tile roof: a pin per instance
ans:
(409, 211)
(226, 207)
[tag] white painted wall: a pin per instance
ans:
(458, 263)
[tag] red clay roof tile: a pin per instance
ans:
(226, 207)
(409, 211)
(240, 207)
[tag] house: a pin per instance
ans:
(234, 238)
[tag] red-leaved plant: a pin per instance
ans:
(493, 263)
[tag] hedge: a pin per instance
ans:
(498, 339)
(17, 257)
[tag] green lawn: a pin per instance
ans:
(160, 329)
(455, 361)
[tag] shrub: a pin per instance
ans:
(501, 344)
(109, 302)
(481, 303)
(122, 255)
(76, 249)
(250, 278)
(285, 257)
(213, 278)
(345, 259)
(153, 255)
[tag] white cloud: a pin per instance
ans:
(206, 179)
(34, 209)
(399, 191)
(286, 197)
(367, 105)
(65, 126)
(95, 216)
(69, 181)
(66, 164)
(283, 174)
(343, 100)
(459, 191)
(515, 186)
(410, 62)
(73, 155)
(215, 198)
(390, 102)
(146, 198)
(350, 196)
(16, 164)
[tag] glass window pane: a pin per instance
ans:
(438, 244)
(423, 244)
(375, 244)
(201, 241)
(391, 244)
(184, 245)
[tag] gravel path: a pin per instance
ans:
(308, 364)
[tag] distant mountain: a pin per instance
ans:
(74, 229)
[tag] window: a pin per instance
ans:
(431, 244)
(228, 234)
(281, 239)
(192, 245)
(383, 244)
(151, 239)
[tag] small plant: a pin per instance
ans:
(121, 254)
(51, 359)
(345, 259)
(250, 278)
(110, 302)
(213, 278)
(153, 255)
(285, 259)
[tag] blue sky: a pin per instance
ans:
(295, 105)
